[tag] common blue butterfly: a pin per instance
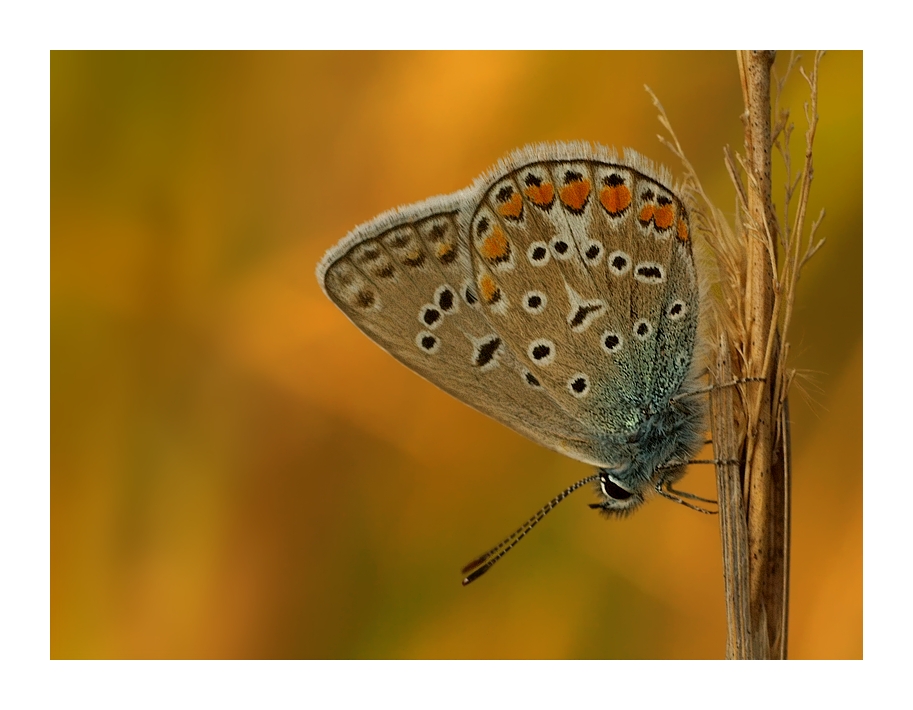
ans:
(558, 295)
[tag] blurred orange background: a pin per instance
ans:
(238, 472)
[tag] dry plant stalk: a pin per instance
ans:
(759, 261)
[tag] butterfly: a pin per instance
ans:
(558, 295)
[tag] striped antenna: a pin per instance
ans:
(483, 563)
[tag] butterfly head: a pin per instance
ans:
(618, 499)
(648, 456)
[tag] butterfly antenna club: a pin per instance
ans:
(481, 564)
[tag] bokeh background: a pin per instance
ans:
(238, 472)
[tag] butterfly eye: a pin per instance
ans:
(612, 489)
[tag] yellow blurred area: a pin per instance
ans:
(238, 472)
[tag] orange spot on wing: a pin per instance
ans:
(664, 217)
(444, 250)
(541, 195)
(682, 230)
(575, 194)
(646, 214)
(489, 288)
(495, 246)
(615, 199)
(513, 207)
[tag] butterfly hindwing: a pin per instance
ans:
(574, 258)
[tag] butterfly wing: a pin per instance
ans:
(405, 279)
(584, 266)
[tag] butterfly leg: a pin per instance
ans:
(710, 388)
(690, 496)
(666, 491)
(713, 461)
(679, 464)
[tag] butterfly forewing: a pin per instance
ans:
(405, 279)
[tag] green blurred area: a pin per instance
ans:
(237, 472)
